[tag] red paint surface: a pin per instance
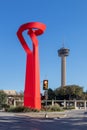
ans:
(32, 80)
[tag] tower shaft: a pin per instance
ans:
(63, 71)
(63, 53)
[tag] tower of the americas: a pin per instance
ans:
(63, 52)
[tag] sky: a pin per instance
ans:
(66, 22)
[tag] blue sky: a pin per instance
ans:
(66, 20)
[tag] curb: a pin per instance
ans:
(43, 115)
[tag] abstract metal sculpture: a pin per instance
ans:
(32, 80)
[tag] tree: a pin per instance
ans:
(69, 92)
(3, 97)
(60, 93)
(51, 94)
(84, 95)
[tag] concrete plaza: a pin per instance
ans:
(74, 120)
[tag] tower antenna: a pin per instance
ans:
(63, 43)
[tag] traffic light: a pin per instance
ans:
(45, 84)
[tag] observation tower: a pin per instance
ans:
(63, 53)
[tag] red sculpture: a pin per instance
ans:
(32, 80)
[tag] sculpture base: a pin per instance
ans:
(32, 102)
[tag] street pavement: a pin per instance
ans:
(74, 120)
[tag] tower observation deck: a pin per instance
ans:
(63, 52)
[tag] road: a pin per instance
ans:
(75, 120)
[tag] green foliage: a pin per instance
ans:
(6, 107)
(21, 109)
(69, 108)
(54, 108)
(3, 98)
(69, 92)
(51, 94)
(51, 108)
(84, 95)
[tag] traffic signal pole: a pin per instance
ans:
(45, 88)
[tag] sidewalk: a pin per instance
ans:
(43, 114)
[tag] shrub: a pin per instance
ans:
(4, 107)
(51, 108)
(15, 109)
(54, 108)
(21, 109)
(69, 108)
